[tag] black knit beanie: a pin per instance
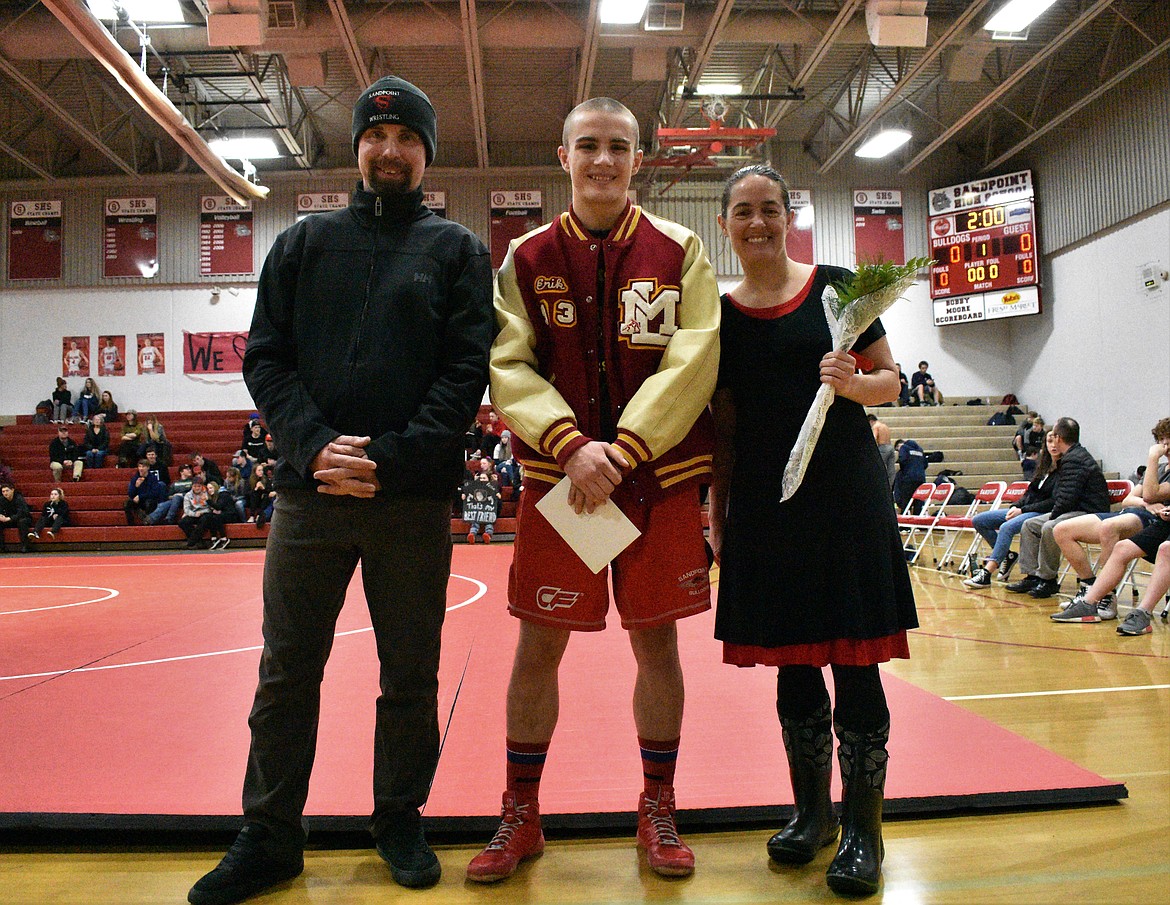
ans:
(395, 100)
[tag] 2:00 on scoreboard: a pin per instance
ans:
(984, 249)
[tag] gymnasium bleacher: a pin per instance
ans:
(98, 521)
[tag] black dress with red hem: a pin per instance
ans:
(820, 578)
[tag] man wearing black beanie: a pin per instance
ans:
(367, 359)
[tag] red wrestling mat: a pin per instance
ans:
(125, 684)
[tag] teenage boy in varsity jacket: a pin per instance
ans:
(607, 355)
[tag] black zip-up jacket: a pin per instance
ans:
(373, 321)
(16, 508)
(64, 451)
(1038, 497)
(1080, 484)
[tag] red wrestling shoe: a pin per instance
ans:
(518, 839)
(667, 854)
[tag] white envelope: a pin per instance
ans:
(596, 537)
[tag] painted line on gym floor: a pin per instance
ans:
(1071, 650)
(481, 589)
(110, 595)
(1044, 694)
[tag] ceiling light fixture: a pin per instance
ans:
(885, 142)
(622, 12)
(1017, 15)
(257, 148)
(721, 89)
(138, 10)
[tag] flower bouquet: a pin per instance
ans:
(850, 307)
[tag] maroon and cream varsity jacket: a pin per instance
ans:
(613, 338)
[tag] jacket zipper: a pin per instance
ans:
(366, 299)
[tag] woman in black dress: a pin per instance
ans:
(819, 580)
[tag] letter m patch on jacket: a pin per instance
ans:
(649, 312)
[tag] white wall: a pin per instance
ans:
(32, 324)
(965, 360)
(1100, 351)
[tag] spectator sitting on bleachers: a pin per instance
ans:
(511, 474)
(922, 387)
(6, 476)
(87, 401)
(255, 416)
(904, 386)
(14, 513)
(157, 468)
(253, 446)
(236, 486)
(242, 464)
(503, 449)
(108, 407)
(1080, 488)
(156, 436)
(169, 512)
(491, 435)
(205, 468)
(144, 494)
(481, 505)
(911, 472)
(473, 438)
(196, 507)
(1025, 431)
(223, 512)
(65, 453)
(132, 433)
(1000, 526)
(62, 402)
(270, 452)
(262, 499)
(1092, 607)
(881, 436)
(54, 515)
(97, 441)
(1139, 510)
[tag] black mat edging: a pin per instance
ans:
(14, 826)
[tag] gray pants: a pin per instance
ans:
(889, 460)
(1039, 552)
(317, 541)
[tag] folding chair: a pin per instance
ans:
(985, 500)
(1118, 491)
(933, 498)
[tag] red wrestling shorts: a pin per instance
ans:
(660, 578)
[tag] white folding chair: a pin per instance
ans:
(934, 498)
(956, 526)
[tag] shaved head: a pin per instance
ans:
(602, 105)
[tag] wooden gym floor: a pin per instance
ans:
(1084, 692)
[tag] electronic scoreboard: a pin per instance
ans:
(983, 246)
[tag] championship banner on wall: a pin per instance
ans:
(75, 356)
(214, 353)
(225, 236)
(800, 236)
(512, 215)
(436, 202)
(320, 202)
(150, 353)
(111, 356)
(877, 226)
(130, 244)
(34, 240)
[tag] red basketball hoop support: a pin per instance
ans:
(715, 139)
